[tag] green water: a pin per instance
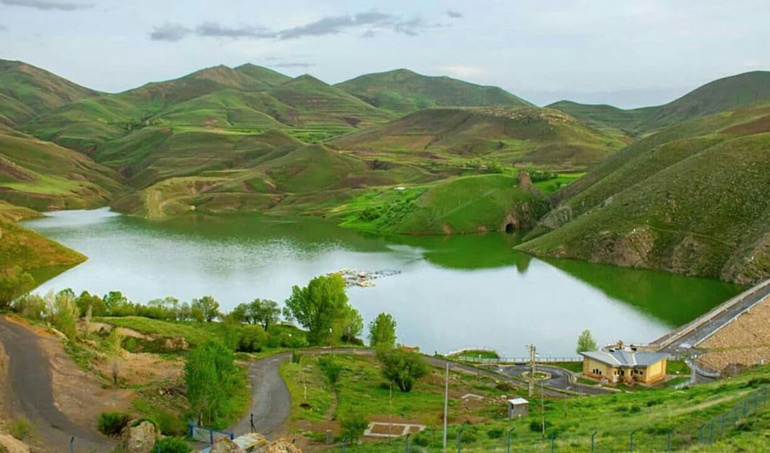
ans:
(452, 292)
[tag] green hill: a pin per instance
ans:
(44, 176)
(27, 91)
(464, 205)
(690, 199)
(530, 136)
(33, 252)
(318, 103)
(403, 91)
(717, 96)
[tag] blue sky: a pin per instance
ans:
(626, 53)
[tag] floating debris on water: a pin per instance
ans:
(363, 279)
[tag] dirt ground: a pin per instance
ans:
(745, 341)
(5, 391)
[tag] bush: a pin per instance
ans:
(171, 445)
(112, 423)
(421, 441)
(20, 429)
(169, 424)
(402, 368)
(353, 426)
(253, 339)
(330, 367)
(537, 426)
(280, 338)
(495, 433)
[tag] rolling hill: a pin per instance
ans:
(403, 91)
(522, 136)
(690, 199)
(717, 96)
(27, 91)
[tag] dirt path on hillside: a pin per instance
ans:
(31, 376)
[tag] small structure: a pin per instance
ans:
(518, 407)
(619, 364)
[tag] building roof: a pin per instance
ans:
(517, 401)
(625, 357)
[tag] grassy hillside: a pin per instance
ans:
(690, 199)
(540, 137)
(463, 205)
(315, 102)
(403, 91)
(31, 251)
(27, 91)
(44, 176)
(720, 95)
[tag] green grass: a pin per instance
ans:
(31, 251)
(404, 91)
(462, 205)
(654, 205)
(651, 413)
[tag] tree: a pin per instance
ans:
(207, 308)
(65, 313)
(265, 312)
(114, 347)
(402, 368)
(252, 339)
(318, 305)
(382, 331)
(14, 283)
(350, 325)
(586, 342)
(209, 379)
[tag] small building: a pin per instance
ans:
(619, 364)
(518, 407)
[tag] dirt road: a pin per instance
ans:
(29, 377)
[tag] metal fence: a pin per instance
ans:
(719, 425)
(207, 435)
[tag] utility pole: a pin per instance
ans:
(542, 408)
(446, 402)
(532, 370)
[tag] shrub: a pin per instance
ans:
(169, 424)
(253, 339)
(635, 409)
(330, 367)
(172, 445)
(495, 433)
(20, 429)
(537, 426)
(112, 423)
(402, 368)
(421, 441)
(353, 426)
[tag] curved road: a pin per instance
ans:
(32, 396)
(271, 401)
(560, 378)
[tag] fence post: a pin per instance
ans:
(510, 431)
(593, 435)
(668, 441)
(72, 444)
(190, 427)
(700, 433)
(343, 444)
(211, 436)
(460, 439)
(406, 442)
(631, 445)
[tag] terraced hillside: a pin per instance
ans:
(717, 96)
(403, 91)
(522, 136)
(690, 199)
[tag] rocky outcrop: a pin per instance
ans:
(10, 444)
(140, 438)
(226, 446)
(283, 446)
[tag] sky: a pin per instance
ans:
(626, 53)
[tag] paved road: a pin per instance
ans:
(689, 335)
(32, 395)
(560, 378)
(271, 401)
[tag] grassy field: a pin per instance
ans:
(463, 205)
(361, 391)
(33, 252)
(650, 413)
